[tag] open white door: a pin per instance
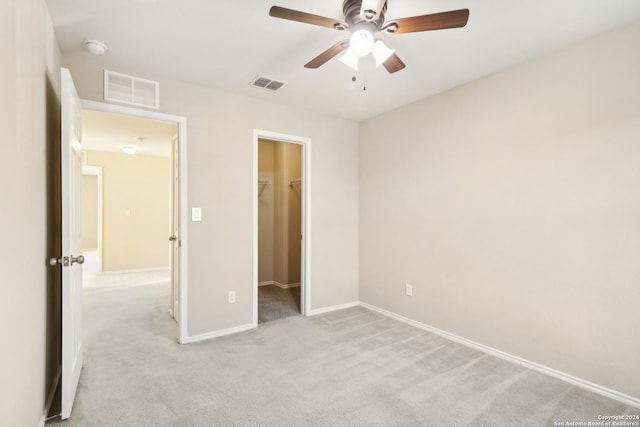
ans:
(71, 180)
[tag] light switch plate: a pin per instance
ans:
(196, 214)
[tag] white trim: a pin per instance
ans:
(267, 283)
(216, 334)
(182, 146)
(333, 308)
(97, 171)
(305, 272)
(288, 285)
(278, 284)
(135, 270)
(579, 382)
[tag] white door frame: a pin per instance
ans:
(305, 268)
(182, 165)
(97, 172)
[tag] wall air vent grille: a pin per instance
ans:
(130, 90)
(266, 83)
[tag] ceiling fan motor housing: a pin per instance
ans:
(352, 9)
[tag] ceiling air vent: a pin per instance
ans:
(266, 83)
(131, 90)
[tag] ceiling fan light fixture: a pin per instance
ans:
(350, 59)
(361, 42)
(381, 52)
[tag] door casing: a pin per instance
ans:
(305, 271)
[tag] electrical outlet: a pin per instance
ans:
(408, 289)
(232, 297)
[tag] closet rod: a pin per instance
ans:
(263, 184)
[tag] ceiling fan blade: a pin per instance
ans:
(393, 64)
(308, 18)
(434, 21)
(327, 54)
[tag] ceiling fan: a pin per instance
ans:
(364, 18)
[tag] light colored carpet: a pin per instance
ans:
(276, 303)
(136, 278)
(352, 367)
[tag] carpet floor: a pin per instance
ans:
(276, 303)
(352, 367)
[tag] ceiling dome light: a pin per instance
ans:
(95, 47)
(129, 150)
(361, 42)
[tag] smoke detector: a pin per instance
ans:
(95, 47)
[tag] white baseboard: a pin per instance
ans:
(135, 270)
(332, 308)
(216, 334)
(267, 283)
(579, 382)
(278, 284)
(290, 285)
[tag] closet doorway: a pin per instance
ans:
(279, 228)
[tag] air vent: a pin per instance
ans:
(131, 90)
(266, 83)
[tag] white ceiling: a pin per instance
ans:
(111, 132)
(224, 44)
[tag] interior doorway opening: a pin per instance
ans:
(142, 157)
(282, 191)
(279, 229)
(128, 203)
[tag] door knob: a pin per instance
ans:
(172, 238)
(55, 261)
(79, 259)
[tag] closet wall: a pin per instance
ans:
(279, 212)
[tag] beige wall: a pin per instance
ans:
(220, 181)
(89, 212)
(512, 206)
(29, 119)
(138, 184)
(279, 220)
